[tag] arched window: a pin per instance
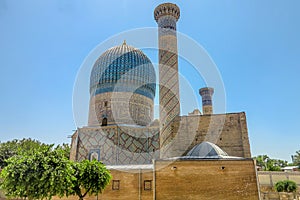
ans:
(104, 121)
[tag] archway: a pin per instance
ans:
(104, 121)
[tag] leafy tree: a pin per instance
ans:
(11, 148)
(286, 186)
(268, 164)
(39, 171)
(91, 178)
(296, 158)
(275, 165)
(38, 174)
(66, 149)
(261, 161)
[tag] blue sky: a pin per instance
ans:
(255, 45)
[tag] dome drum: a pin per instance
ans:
(120, 108)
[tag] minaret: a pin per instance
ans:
(166, 16)
(206, 94)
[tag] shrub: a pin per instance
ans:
(279, 186)
(286, 186)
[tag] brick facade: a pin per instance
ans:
(183, 179)
(139, 145)
(228, 131)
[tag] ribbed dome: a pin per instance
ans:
(123, 69)
(207, 150)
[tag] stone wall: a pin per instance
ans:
(269, 178)
(133, 184)
(206, 179)
(228, 131)
(279, 196)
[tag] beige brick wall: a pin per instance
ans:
(228, 131)
(205, 179)
(131, 187)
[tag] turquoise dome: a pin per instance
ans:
(123, 69)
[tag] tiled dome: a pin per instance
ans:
(123, 69)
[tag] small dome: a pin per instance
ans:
(123, 69)
(207, 150)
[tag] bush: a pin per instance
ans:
(286, 186)
(279, 186)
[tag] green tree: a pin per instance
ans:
(261, 161)
(268, 164)
(38, 174)
(275, 164)
(66, 149)
(286, 186)
(91, 177)
(39, 171)
(296, 159)
(11, 148)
